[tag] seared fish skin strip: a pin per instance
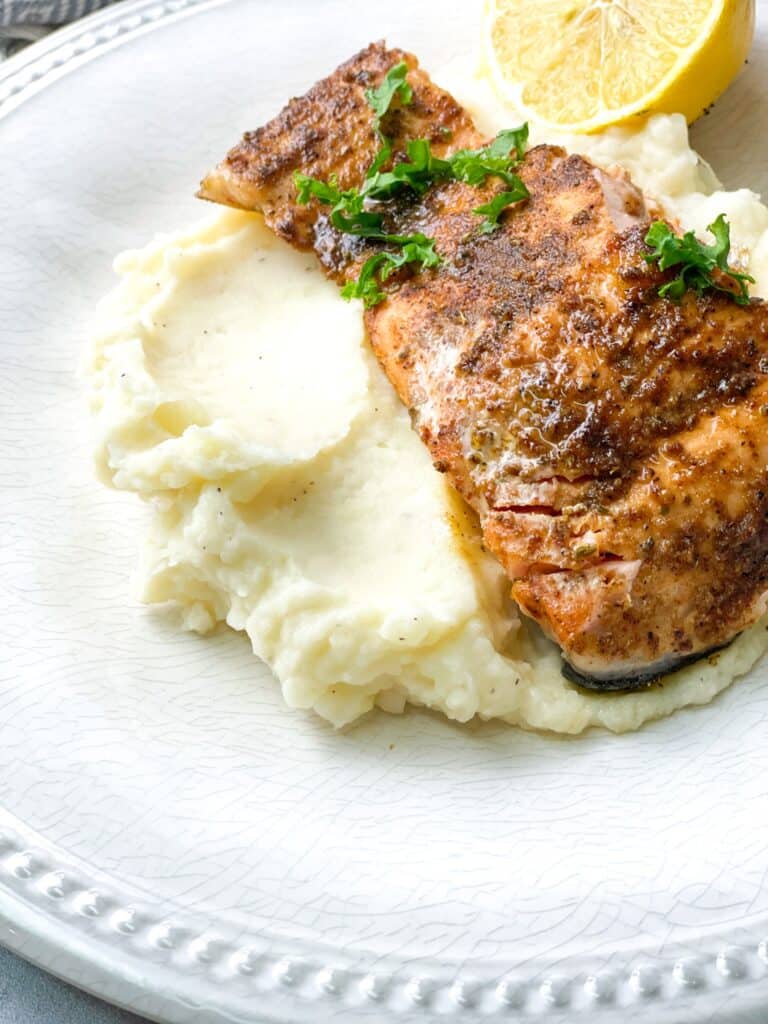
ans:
(614, 444)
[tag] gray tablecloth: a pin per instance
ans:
(45, 12)
(29, 996)
(25, 21)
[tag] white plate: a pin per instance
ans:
(171, 837)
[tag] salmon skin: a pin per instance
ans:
(613, 443)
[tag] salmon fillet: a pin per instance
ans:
(613, 443)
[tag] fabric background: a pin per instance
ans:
(29, 996)
(46, 12)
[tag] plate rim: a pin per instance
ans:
(88, 943)
(63, 50)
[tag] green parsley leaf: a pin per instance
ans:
(696, 260)
(347, 212)
(416, 249)
(493, 210)
(380, 100)
(381, 157)
(366, 287)
(509, 139)
(313, 188)
(421, 170)
(349, 216)
(473, 166)
(394, 84)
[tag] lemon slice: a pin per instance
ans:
(580, 65)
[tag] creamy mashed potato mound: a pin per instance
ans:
(233, 390)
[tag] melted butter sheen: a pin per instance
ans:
(232, 388)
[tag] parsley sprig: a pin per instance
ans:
(696, 260)
(380, 100)
(350, 208)
(475, 165)
(415, 249)
(348, 213)
(492, 211)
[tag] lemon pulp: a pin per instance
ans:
(581, 65)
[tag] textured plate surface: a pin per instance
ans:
(170, 836)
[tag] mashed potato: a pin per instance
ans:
(233, 390)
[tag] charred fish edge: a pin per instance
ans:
(644, 677)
